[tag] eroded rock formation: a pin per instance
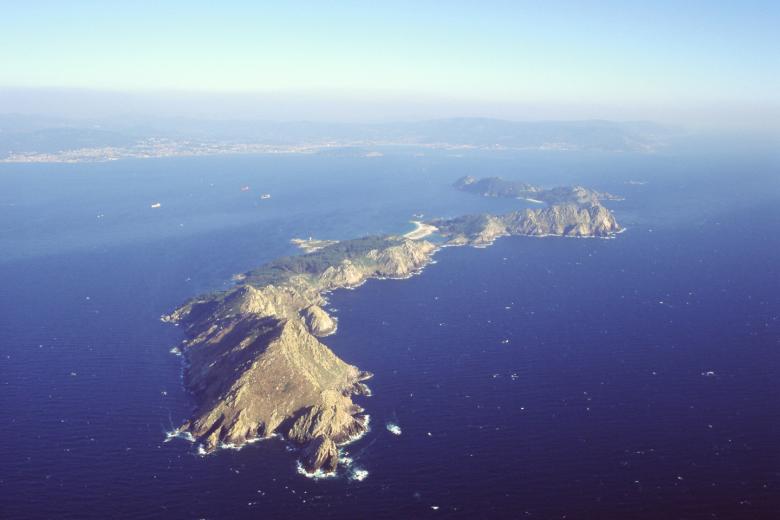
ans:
(254, 363)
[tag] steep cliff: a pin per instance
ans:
(255, 365)
(569, 211)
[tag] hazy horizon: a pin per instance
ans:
(700, 65)
(86, 104)
(389, 260)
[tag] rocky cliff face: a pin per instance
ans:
(319, 322)
(570, 211)
(255, 365)
(569, 220)
(563, 220)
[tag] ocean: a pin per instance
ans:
(539, 378)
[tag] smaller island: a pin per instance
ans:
(569, 211)
(498, 187)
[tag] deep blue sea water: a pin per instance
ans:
(639, 379)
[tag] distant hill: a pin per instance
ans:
(31, 134)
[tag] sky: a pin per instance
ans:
(675, 60)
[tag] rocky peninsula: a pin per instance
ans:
(255, 365)
(255, 362)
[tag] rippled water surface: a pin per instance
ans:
(626, 378)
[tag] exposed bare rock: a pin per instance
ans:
(563, 220)
(345, 274)
(321, 454)
(571, 211)
(318, 321)
(252, 375)
(335, 416)
(401, 260)
(254, 364)
(560, 220)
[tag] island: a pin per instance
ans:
(571, 211)
(254, 360)
(498, 187)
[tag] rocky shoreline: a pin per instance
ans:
(255, 364)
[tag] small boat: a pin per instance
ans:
(393, 428)
(156, 205)
(244, 188)
(265, 196)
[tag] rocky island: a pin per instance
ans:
(498, 187)
(570, 211)
(255, 362)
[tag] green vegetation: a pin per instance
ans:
(317, 262)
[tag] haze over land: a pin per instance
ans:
(704, 65)
(207, 209)
(43, 139)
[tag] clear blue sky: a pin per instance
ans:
(565, 53)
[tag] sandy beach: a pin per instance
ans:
(421, 230)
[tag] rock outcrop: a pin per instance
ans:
(321, 453)
(570, 211)
(255, 365)
(319, 322)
